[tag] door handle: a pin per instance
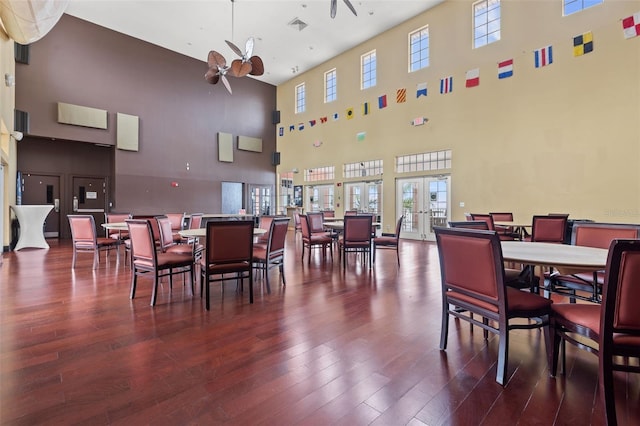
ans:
(56, 205)
(75, 203)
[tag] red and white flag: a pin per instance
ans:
(473, 78)
(631, 26)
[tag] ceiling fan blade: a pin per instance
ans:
(234, 48)
(350, 6)
(216, 60)
(226, 84)
(248, 48)
(257, 66)
(334, 8)
(240, 68)
(212, 77)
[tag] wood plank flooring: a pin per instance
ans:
(328, 348)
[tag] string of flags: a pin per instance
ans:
(542, 57)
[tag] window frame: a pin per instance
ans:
(420, 51)
(368, 81)
(581, 3)
(300, 98)
(330, 90)
(487, 34)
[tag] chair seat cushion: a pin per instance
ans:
(259, 253)
(453, 296)
(165, 260)
(525, 304)
(320, 239)
(225, 268)
(583, 314)
(385, 241)
(180, 248)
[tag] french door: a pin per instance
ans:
(363, 196)
(319, 198)
(425, 203)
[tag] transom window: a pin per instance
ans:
(486, 22)
(368, 66)
(437, 160)
(362, 169)
(419, 49)
(573, 6)
(330, 90)
(300, 98)
(319, 173)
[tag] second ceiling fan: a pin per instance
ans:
(334, 7)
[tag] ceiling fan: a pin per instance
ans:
(247, 64)
(334, 7)
(217, 70)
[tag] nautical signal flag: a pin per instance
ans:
(323, 120)
(543, 57)
(335, 116)
(292, 127)
(312, 123)
(401, 96)
(505, 69)
(583, 44)
(301, 126)
(631, 26)
(382, 101)
(473, 78)
(349, 113)
(446, 85)
(281, 131)
(421, 90)
(365, 108)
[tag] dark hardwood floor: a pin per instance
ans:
(328, 348)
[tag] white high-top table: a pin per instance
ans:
(31, 219)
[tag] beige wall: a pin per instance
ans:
(563, 138)
(7, 144)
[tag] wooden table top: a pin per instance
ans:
(202, 232)
(566, 258)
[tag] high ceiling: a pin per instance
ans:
(194, 27)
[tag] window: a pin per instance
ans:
(362, 169)
(330, 93)
(319, 173)
(437, 160)
(486, 22)
(419, 49)
(573, 6)
(300, 98)
(368, 66)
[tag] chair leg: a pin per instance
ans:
(266, 274)
(134, 282)
(444, 328)
(96, 259)
(607, 388)
(73, 261)
(281, 266)
(207, 291)
(154, 295)
(503, 355)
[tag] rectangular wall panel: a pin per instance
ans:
(127, 132)
(246, 143)
(225, 147)
(78, 115)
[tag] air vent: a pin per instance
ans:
(298, 24)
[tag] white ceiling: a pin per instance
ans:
(194, 27)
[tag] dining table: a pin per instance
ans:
(565, 258)
(520, 228)
(202, 232)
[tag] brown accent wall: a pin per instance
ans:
(180, 115)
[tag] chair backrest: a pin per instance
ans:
(155, 232)
(166, 232)
(115, 217)
(177, 220)
(471, 265)
(471, 224)
(296, 220)
(620, 293)
(484, 217)
(600, 235)
(548, 229)
(502, 217)
(316, 221)
(357, 228)
(399, 226)
(229, 242)
(143, 247)
(265, 223)
(350, 212)
(329, 213)
(277, 236)
(83, 228)
(195, 220)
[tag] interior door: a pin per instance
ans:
(89, 197)
(425, 203)
(44, 189)
(262, 200)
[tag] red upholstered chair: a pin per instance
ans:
(265, 258)
(591, 234)
(502, 229)
(612, 329)
(116, 234)
(167, 243)
(389, 241)
(490, 225)
(310, 241)
(548, 229)
(350, 212)
(177, 223)
(264, 223)
(316, 223)
(329, 213)
(296, 223)
(471, 266)
(147, 261)
(84, 239)
(228, 250)
(356, 237)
